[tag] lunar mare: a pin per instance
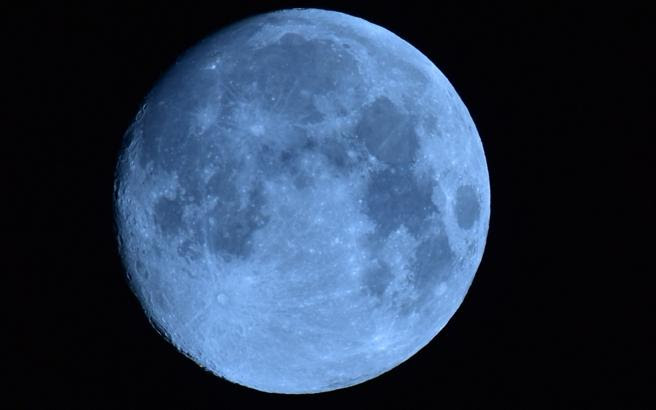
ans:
(302, 202)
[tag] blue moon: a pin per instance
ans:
(302, 202)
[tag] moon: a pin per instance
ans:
(302, 202)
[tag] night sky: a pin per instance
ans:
(560, 313)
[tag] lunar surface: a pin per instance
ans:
(302, 202)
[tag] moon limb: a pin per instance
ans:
(283, 238)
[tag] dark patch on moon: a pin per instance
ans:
(221, 184)
(168, 215)
(234, 224)
(187, 249)
(377, 277)
(430, 123)
(270, 159)
(336, 152)
(467, 206)
(289, 73)
(343, 152)
(395, 197)
(388, 133)
(432, 262)
(289, 162)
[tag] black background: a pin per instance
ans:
(560, 314)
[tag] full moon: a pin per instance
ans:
(302, 202)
